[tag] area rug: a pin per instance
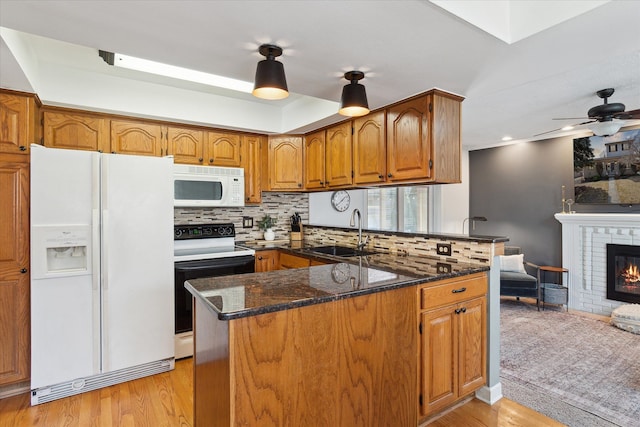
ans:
(580, 371)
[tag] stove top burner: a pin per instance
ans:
(206, 241)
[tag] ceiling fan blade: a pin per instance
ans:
(571, 118)
(556, 130)
(629, 115)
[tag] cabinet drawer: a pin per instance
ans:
(292, 261)
(453, 291)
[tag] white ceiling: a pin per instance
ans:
(404, 47)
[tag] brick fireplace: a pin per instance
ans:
(584, 252)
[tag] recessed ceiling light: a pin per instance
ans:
(567, 128)
(507, 138)
(158, 68)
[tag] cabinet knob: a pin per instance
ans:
(380, 176)
(390, 175)
(248, 199)
(259, 258)
(299, 185)
(22, 148)
(321, 182)
(200, 159)
(113, 152)
(210, 160)
(23, 270)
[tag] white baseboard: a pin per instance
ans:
(490, 395)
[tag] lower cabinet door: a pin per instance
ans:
(472, 348)
(439, 349)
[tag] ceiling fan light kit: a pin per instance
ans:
(606, 128)
(353, 102)
(270, 81)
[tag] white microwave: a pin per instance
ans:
(207, 186)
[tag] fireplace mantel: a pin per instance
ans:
(584, 240)
(604, 219)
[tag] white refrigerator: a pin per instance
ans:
(102, 290)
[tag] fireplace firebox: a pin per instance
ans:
(623, 273)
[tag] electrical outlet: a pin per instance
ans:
(443, 268)
(247, 222)
(443, 248)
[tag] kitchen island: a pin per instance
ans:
(346, 344)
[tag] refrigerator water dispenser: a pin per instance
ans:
(66, 250)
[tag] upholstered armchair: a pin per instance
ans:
(519, 278)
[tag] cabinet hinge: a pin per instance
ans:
(42, 140)
(420, 328)
(420, 399)
(353, 131)
(430, 164)
(430, 107)
(352, 174)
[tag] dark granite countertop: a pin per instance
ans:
(257, 293)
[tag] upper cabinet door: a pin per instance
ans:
(143, 139)
(76, 131)
(408, 145)
(369, 149)
(314, 160)
(18, 123)
(186, 145)
(285, 163)
(222, 149)
(252, 164)
(339, 165)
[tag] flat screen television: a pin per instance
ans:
(607, 169)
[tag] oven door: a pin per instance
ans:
(187, 270)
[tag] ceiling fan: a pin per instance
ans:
(608, 118)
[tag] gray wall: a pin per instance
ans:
(519, 187)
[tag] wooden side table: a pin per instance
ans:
(554, 292)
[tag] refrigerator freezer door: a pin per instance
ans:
(65, 311)
(137, 260)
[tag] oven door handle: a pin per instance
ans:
(216, 263)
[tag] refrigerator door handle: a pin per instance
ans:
(95, 258)
(105, 250)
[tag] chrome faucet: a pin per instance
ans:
(361, 243)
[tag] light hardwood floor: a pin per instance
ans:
(166, 400)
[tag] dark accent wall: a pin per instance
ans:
(519, 188)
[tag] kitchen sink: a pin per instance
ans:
(344, 251)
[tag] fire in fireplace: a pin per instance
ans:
(623, 273)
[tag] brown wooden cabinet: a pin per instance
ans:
(288, 261)
(285, 163)
(252, 149)
(314, 161)
(369, 149)
(140, 138)
(408, 145)
(14, 269)
(338, 163)
(445, 138)
(348, 362)
(186, 145)
(76, 131)
(19, 125)
(222, 149)
(267, 260)
(453, 347)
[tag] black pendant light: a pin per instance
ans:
(270, 82)
(354, 98)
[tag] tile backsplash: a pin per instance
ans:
(280, 205)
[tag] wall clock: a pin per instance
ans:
(340, 200)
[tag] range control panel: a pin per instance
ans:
(203, 231)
